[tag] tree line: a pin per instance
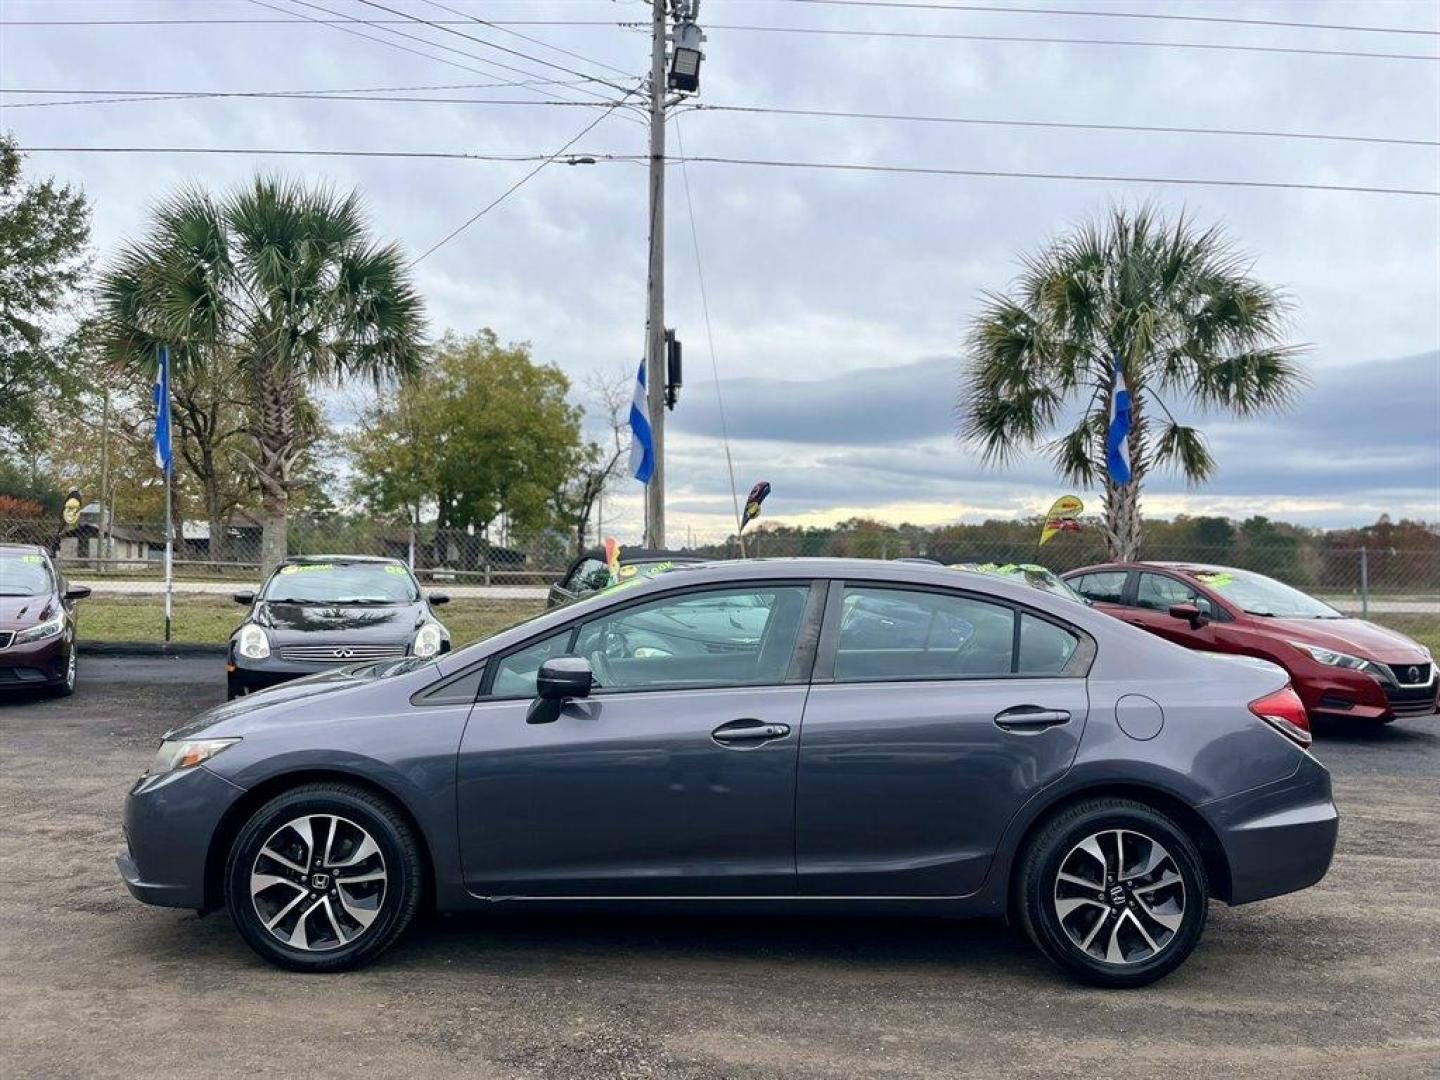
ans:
(266, 297)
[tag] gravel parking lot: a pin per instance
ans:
(1340, 981)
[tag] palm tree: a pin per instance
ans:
(1171, 305)
(284, 283)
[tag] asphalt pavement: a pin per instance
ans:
(1342, 980)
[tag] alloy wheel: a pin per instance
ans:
(1120, 896)
(318, 882)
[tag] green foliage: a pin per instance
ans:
(479, 432)
(44, 233)
(1174, 304)
(264, 293)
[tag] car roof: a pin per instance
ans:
(303, 560)
(1157, 564)
(22, 549)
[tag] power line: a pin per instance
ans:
(515, 186)
(1088, 177)
(1070, 12)
(1015, 39)
(487, 44)
(533, 40)
(913, 170)
(709, 334)
(492, 64)
(383, 98)
(341, 19)
(1063, 125)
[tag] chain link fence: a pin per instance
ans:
(1356, 579)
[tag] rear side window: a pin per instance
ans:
(1103, 587)
(899, 634)
(1045, 649)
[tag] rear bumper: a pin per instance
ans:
(1280, 837)
(169, 825)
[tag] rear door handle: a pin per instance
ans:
(1030, 718)
(745, 733)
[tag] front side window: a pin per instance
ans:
(899, 634)
(1158, 592)
(731, 637)
(1104, 587)
(590, 575)
(515, 675)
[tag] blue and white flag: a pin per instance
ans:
(1117, 443)
(161, 396)
(642, 445)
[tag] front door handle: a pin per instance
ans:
(740, 734)
(1030, 718)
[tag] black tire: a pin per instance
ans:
(396, 903)
(1038, 888)
(66, 686)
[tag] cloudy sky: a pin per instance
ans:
(837, 298)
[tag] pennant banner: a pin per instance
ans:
(757, 496)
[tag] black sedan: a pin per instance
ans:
(322, 611)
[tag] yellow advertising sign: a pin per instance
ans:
(1063, 517)
(71, 510)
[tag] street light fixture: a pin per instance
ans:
(685, 58)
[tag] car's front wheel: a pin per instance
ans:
(323, 877)
(1114, 892)
(66, 686)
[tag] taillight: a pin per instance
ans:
(1285, 712)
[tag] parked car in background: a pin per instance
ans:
(1032, 574)
(37, 621)
(734, 736)
(319, 612)
(589, 573)
(1341, 667)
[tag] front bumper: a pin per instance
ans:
(170, 822)
(36, 664)
(1279, 837)
(1355, 695)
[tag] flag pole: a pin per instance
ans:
(169, 554)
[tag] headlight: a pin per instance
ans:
(47, 629)
(428, 639)
(185, 754)
(253, 644)
(1331, 658)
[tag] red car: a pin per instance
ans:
(1341, 667)
(37, 621)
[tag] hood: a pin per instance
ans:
(234, 717)
(1354, 636)
(352, 622)
(18, 612)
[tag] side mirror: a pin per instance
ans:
(77, 592)
(1190, 613)
(559, 680)
(439, 598)
(246, 598)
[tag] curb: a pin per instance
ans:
(150, 648)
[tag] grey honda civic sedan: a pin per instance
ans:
(787, 735)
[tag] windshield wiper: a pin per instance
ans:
(1265, 614)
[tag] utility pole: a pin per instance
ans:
(655, 299)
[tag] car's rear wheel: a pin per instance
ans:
(1114, 892)
(323, 877)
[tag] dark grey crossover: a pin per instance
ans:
(786, 735)
(319, 612)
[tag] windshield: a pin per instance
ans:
(342, 583)
(25, 575)
(1259, 595)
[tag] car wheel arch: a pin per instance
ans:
(1190, 820)
(239, 813)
